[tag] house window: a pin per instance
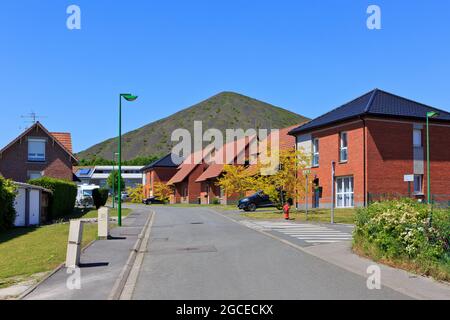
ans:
(36, 150)
(34, 175)
(343, 147)
(315, 152)
(344, 192)
(418, 184)
(417, 138)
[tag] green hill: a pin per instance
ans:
(226, 110)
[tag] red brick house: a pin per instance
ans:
(186, 190)
(373, 142)
(209, 190)
(162, 170)
(37, 152)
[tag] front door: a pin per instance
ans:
(316, 193)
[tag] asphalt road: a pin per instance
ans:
(195, 254)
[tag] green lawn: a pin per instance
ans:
(92, 213)
(186, 205)
(317, 215)
(27, 251)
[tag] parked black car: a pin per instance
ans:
(152, 200)
(258, 200)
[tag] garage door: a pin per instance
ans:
(19, 205)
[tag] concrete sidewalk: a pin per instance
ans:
(415, 286)
(101, 264)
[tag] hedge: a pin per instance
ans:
(400, 232)
(62, 202)
(100, 197)
(7, 210)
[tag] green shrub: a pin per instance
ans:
(401, 231)
(216, 201)
(64, 195)
(7, 210)
(100, 196)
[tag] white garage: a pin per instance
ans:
(31, 205)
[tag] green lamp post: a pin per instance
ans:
(127, 97)
(113, 186)
(431, 114)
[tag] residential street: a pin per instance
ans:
(196, 253)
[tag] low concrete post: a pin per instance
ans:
(74, 244)
(103, 223)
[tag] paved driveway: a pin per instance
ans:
(195, 253)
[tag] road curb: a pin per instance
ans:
(293, 245)
(130, 284)
(34, 287)
(121, 281)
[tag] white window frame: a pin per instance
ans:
(343, 193)
(343, 148)
(36, 157)
(315, 152)
(420, 176)
(30, 173)
(417, 144)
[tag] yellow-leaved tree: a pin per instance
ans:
(235, 179)
(136, 194)
(162, 191)
(286, 179)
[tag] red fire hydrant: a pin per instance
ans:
(286, 209)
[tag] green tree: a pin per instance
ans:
(113, 181)
(7, 211)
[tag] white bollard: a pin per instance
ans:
(103, 223)
(74, 244)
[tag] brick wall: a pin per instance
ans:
(14, 162)
(390, 151)
(440, 161)
(159, 175)
(329, 146)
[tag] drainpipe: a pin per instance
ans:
(364, 161)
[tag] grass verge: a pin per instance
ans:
(79, 213)
(439, 270)
(187, 205)
(27, 251)
(321, 215)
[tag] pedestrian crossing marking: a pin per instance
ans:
(309, 233)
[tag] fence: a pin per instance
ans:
(437, 200)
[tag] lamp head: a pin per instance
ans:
(432, 114)
(129, 97)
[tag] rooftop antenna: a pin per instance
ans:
(32, 118)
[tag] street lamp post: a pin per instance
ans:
(127, 97)
(431, 114)
(113, 186)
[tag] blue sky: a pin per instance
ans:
(305, 56)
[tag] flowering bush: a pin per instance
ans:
(403, 230)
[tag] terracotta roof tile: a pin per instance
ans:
(183, 172)
(212, 172)
(64, 138)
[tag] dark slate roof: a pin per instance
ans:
(165, 162)
(377, 103)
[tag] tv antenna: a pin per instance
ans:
(32, 118)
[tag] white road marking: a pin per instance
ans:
(308, 233)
